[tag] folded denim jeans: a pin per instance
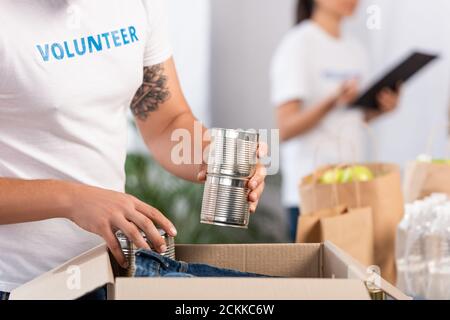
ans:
(152, 264)
(4, 295)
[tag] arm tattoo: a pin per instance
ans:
(152, 93)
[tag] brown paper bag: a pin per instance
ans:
(308, 227)
(383, 195)
(423, 179)
(349, 229)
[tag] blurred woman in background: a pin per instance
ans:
(316, 73)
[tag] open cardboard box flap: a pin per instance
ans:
(321, 271)
(73, 279)
(343, 265)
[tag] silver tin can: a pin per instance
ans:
(225, 202)
(232, 153)
(129, 249)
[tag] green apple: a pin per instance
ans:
(347, 175)
(331, 176)
(362, 173)
(440, 161)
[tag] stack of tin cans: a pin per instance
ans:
(232, 162)
(129, 249)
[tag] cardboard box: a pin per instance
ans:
(312, 271)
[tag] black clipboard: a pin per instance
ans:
(400, 74)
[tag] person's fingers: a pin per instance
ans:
(132, 233)
(255, 195)
(352, 88)
(346, 87)
(263, 149)
(382, 96)
(147, 226)
(201, 176)
(390, 100)
(341, 90)
(351, 83)
(114, 247)
(346, 93)
(352, 97)
(387, 92)
(349, 94)
(345, 84)
(384, 107)
(156, 216)
(258, 177)
(387, 100)
(381, 102)
(253, 207)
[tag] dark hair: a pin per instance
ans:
(304, 10)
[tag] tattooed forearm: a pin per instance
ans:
(152, 93)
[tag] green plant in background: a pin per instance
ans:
(181, 201)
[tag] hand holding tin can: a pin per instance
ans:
(129, 248)
(232, 161)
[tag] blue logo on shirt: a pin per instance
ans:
(89, 44)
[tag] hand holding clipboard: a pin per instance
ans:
(400, 74)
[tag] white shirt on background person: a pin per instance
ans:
(310, 65)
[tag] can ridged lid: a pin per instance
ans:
(121, 235)
(129, 249)
(246, 135)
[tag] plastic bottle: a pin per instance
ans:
(400, 247)
(438, 286)
(427, 238)
(433, 203)
(416, 268)
(408, 274)
(416, 245)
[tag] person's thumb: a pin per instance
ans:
(201, 176)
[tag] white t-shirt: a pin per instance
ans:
(68, 73)
(310, 65)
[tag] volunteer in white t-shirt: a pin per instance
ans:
(316, 72)
(68, 74)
